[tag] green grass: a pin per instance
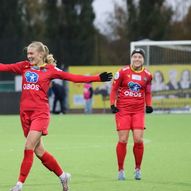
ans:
(85, 146)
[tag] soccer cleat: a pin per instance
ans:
(16, 188)
(137, 174)
(65, 181)
(121, 175)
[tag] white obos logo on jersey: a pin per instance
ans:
(30, 87)
(134, 90)
(116, 76)
(31, 77)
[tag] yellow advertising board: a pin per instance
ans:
(171, 86)
(76, 89)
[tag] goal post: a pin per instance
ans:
(170, 64)
(165, 52)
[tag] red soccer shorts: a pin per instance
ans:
(35, 120)
(130, 121)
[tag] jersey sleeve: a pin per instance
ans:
(57, 73)
(16, 68)
(148, 93)
(115, 86)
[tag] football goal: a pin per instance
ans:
(165, 52)
(170, 64)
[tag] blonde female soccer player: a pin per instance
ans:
(37, 73)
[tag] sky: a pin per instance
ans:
(103, 8)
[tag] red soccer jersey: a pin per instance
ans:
(36, 81)
(131, 90)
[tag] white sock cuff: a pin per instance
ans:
(20, 184)
(62, 176)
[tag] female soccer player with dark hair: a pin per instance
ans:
(37, 74)
(130, 95)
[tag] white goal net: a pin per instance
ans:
(170, 64)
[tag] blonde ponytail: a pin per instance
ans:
(50, 59)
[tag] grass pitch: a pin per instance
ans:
(85, 146)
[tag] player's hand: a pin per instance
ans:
(114, 109)
(149, 109)
(105, 76)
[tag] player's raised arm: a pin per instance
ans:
(103, 77)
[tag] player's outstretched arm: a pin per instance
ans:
(14, 68)
(103, 77)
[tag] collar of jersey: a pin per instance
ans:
(136, 70)
(38, 67)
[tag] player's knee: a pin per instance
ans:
(123, 139)
(29, 145)
(138, 140)
(39, 151)
(39, 154)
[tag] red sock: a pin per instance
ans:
(138, 150)
(26, 165)
(121, 153)
(50, 162)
